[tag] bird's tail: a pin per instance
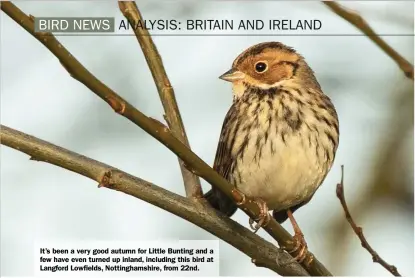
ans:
(220, 202)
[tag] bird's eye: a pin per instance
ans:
(260, 67)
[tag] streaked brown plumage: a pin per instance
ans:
(280, 136)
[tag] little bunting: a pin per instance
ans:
(279, 137)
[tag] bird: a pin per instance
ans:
(280, 136)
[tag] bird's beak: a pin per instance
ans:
(232, 75)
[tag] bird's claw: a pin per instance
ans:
(303, 255)
(263, 218)
(301, 245)
(243, 198)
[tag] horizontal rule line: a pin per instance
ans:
(240, 35)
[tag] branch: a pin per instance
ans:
(359, 22)
(359, 232)
(159, 132)
(198, 213)
(165, 90)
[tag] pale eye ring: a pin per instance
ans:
(261, 66)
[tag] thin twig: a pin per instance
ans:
(174, 120)
(159, 132)
(198, 213)
(359, 231)
(359, 22)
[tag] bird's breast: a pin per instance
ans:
(281, 157)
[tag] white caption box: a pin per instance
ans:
(127, 258)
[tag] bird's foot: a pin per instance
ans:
(239, 197)
(263, 218)
(300, 246)
(299, 243)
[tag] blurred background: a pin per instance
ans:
(373, 98)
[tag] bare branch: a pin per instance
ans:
(166, 92)
(358, 230)
(359, 22)
(198, 213)
(161, 133)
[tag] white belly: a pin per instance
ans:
(285, 175)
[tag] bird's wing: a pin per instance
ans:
(223, 164)
(223, 161)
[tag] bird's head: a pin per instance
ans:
(265, 65)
